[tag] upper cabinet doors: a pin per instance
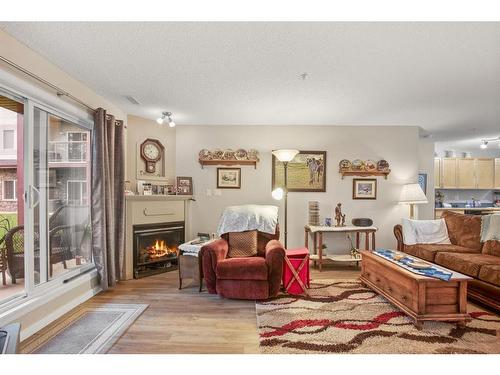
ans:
(437, 173)
(466, 170)
(485, 173)
(467, 173)
(449, 173)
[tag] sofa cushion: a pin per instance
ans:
(253, 268)
(429, 251)
(242, 244)
(464, 230)
(468, 264)
(490, 273)
(492, 248)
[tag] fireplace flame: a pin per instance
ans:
(160, 249)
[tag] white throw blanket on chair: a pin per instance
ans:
(490, 227)
(249, 217)
(425, 232)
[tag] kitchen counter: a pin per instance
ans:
(468, 208)
(480, 210)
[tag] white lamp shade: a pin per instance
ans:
(412, 194)
(285, 155)
(278, 194)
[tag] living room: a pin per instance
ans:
(208, 187)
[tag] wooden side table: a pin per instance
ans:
(317, 234)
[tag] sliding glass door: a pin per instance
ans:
(60, 206)
(45, 226)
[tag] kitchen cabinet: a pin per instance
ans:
(437, 172)
(466, 170)
(449, 173)
(467, 173)
(497, 173)
(485, 173)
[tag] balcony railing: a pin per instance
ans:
(68, 151)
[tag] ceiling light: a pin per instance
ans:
(168, 116)
(484, 145)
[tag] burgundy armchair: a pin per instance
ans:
(257, 277)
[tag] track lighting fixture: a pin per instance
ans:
(168, 116)
(484, 142)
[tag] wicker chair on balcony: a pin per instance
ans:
(63, 244)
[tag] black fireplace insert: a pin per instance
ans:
(156, 247)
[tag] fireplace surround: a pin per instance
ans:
(153, 219)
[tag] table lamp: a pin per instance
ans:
(412, 194)
(284, 156)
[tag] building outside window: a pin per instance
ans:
(9, 190)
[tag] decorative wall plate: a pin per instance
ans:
(241, 154)
(382, 165)
(229, 155)
(344, 165)
(205, 154)
(253, 154)
(370, 165)
(358, 165)
(217, 154)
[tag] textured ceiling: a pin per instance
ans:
(443, 77)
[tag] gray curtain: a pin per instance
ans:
(108, 198)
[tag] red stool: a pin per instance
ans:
(296, 271)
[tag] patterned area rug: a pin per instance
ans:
(87, 329)
(345, 317)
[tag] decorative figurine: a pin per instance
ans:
(339, 216)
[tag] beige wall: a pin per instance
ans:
(398, 145)
(138, 129)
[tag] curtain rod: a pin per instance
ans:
(60, 92)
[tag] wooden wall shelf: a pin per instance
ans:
(228, 162)
(365, 173)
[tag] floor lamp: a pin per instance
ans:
(412, 194)
(284, 156)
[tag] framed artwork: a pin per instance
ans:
(364, 188)
(184, 186)
(228, 178)
(306, 172)
(422, 181)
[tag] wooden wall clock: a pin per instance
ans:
(151, 152)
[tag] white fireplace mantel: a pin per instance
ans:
(151, 209)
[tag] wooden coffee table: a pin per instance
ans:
(422, 298)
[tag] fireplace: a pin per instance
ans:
(156, 247)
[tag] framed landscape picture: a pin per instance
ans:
(364, 188)
(228, 178)
(306, 172)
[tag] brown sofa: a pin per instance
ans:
(466, 254)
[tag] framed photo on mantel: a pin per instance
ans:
(184, 186)
(306, 172)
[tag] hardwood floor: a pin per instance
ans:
(185, 321)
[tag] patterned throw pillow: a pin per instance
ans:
(242, 244)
